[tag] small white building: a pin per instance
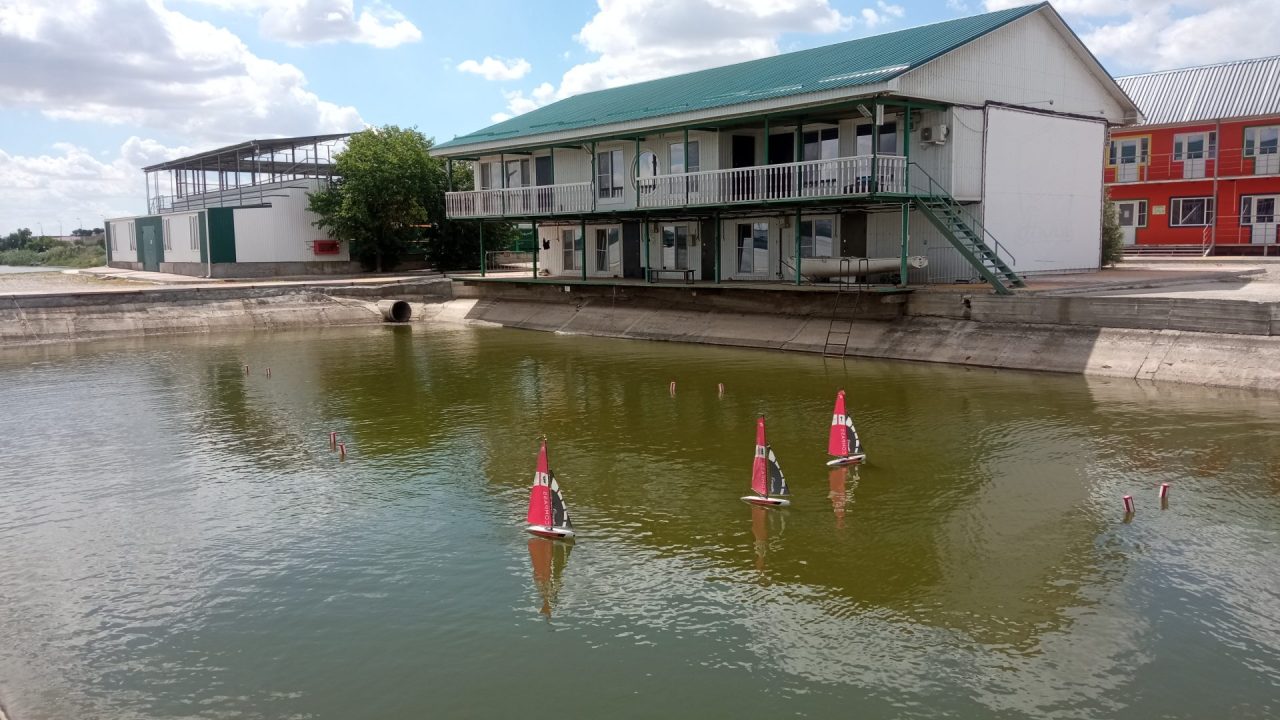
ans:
(972, 145)
(238, 211)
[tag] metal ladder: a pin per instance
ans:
(849, 297)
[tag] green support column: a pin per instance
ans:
(906, 218)
(636, 180)
(595, 178)
(798, 153)
(583, 256)
(875, 148)
(449, 175)
(718, 248)
(537, 247)
(906, 150)
(502, 169)
(482, 261)
(645, 221)
(686, 166)
(797, 246)
(765, 189)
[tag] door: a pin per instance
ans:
(150, 248)
(543, 177)
(631, 267)
(676, 241)
(1262, 218)
(751, 250)
(1132, 215)
(782, 151)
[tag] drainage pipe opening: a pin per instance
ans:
(396, 311)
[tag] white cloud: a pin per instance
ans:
(1145, 35)
(70, 184)
(161, 70)
(307, 22)
(636, 40)
(492, 68)
(882, 13)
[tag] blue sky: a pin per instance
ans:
(90, 91)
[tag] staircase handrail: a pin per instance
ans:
(942, 194)
(1206, 241)
(804, 278)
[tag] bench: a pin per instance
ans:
(655, 274)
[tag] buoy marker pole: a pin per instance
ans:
(1164, 491)
(246, 369)
(342, 451)
(268, 372)
(1128, 504)
(333, 440)
(720, 388)
(672, 388)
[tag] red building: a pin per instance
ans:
(1202, 172)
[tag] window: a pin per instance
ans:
(133, 239)
(646, 171)
(168, 234)
(1195, 146)
(816, 239)
(1261, 140)
(517, 173)
(1129, 151)
(1190, 212)
(609, 174)
(193, 227)
(490, 176)
(1257, 210)
(1132, 213)
(571, 245)
(822, 144)
(608, 254)
(679, 158)
(888, 139)
(753, 248)
(115, 236)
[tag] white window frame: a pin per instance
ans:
(133, 239)
(1252, 143)
(193, 226)
(610, 251)
(812, 239)
(570, 248)
(684, 165)
(1176, 212)
(167, 234)
(616, 175)
(489, 171)
(522, 173)
(1208, 139)
(756, 227)
(1248, 207)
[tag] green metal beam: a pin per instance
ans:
(797, 246)
(482, 260)
(583, 256)
(717, 255)
(906, 226)
(645, 222)
(537, 248)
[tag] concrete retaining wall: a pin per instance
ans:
(34, 319)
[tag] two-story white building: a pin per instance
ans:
(964, 150)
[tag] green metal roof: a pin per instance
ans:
(865, 61)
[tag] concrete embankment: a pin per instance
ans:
(27, 319)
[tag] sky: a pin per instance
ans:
(92, 90)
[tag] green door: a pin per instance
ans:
(149, 247)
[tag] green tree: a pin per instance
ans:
(1112, 235)
(388, 199)
(379, 201)
(16, 239)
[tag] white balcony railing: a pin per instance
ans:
(535, 200)
(837, 177)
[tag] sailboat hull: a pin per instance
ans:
(766, 501)
(848, 460)
(551, 532)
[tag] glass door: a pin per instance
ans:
(675, 247)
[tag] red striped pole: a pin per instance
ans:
(333, 440)
(1128, 504)
(1164, 491)
(342, 451)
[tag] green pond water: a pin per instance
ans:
(177, 540)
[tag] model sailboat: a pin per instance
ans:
(843, 444)
(548, 516)
(767, 482)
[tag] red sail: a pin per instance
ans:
(540, 493)
(759, 468)
(838, 442)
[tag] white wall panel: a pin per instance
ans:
(967, 134)
(282, 232)
(1044, 189)
(179, 229)
(1027, 62)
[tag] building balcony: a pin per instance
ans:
(860, 175)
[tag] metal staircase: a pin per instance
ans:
(991, 259)
(848, 298)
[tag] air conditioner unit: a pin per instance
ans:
(934, 134)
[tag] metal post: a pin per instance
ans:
(537, 248)
(766, 158)
(645, 221)
(875, 148)
(906, 149)
(686, 167)
(595, 178)
(636, 179)
(906, 223)
(482, 260)
(448, 175)
(797, 246)
(718, 249)
(583, 256)
(799, 157)
(502, 171)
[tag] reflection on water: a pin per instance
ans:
(177, 540)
